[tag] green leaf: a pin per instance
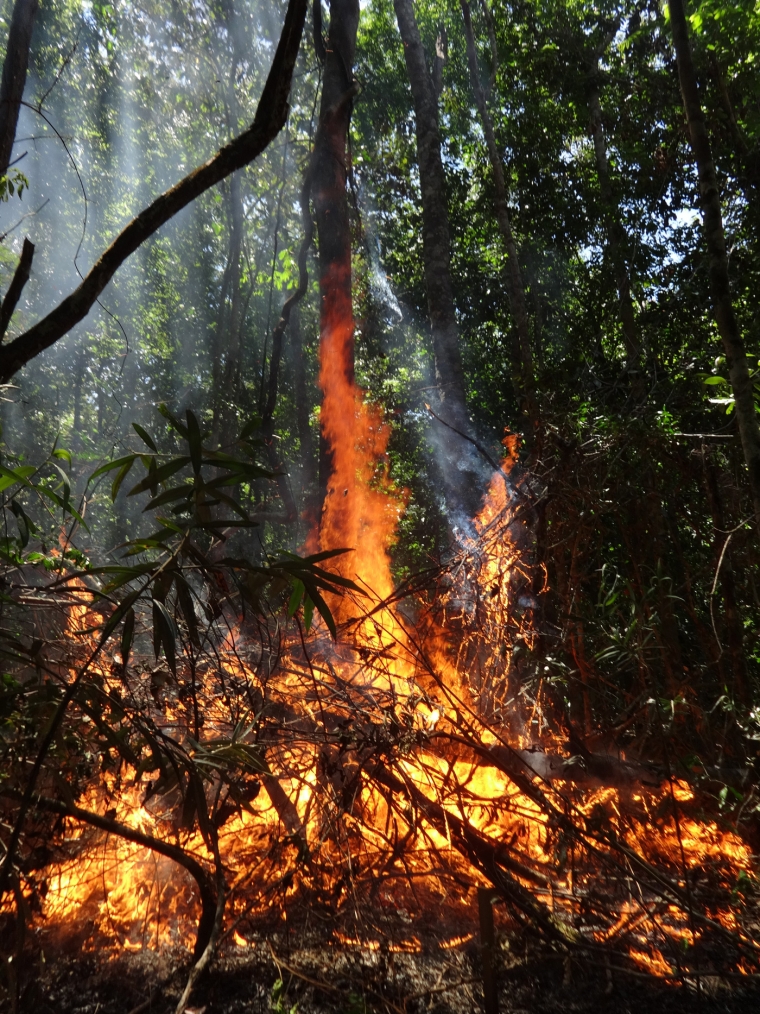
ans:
(118, 614)
(250, 428)
(120, 477)
(127, 634)
(11, 475)
(324, 610)
(296, 597)
(63, 454)
(145, 436)
(168, 495)
(111, 465)
(715, 380)
(164, 633)
(159, 475)
(194, 440)
(185, 600)
(25, 525)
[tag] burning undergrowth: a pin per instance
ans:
(373, 767)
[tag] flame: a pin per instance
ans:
(452, 670)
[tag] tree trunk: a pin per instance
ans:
(14, 75)
(522, 365)
(333, 224)
(228, 340)
(616, 236)
(305, 438)
(725, 318)
(436, 247)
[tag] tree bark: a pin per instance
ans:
(524, 377)
(330, 175)
(725, 317)
(14, 75)
(616, 236)
(436, 241)
(20, 278)
(270, 118)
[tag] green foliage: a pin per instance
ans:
(12, 183)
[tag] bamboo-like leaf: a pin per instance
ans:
(168, 496)
(322, 607)
(145, 436)
(127, 634)
(120, 477)
(164, 633)
(186, 604)
(194, 440)
(25, 525)
(118, 614)
(308, 612)
(178, 426)
(111, 465)
(296, 597)
(161, 473)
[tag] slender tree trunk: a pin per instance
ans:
(332, 217)
(616, 236)
(305, 438)
(725, 318)
(231, 341)
(14, 75)
(523, 356)
(436, 240)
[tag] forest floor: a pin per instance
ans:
(292, 974)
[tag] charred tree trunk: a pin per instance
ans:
(332, 211)
(522, 358)
(14, 75)
(725, 317)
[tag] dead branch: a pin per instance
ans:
(208, 894)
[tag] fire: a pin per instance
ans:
(400, 758)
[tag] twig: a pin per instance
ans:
(475, 444)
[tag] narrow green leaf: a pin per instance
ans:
(111, 465)
(194, 440)
(145, 436)
(296, 597)
(159, 475)
(120, 477)
(127, 634)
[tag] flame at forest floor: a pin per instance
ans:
(390, 771)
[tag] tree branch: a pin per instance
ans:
(20, 278)
(269, 120)
(14, 75)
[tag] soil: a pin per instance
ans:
(282, 974)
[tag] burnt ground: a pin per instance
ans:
(314, 978)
